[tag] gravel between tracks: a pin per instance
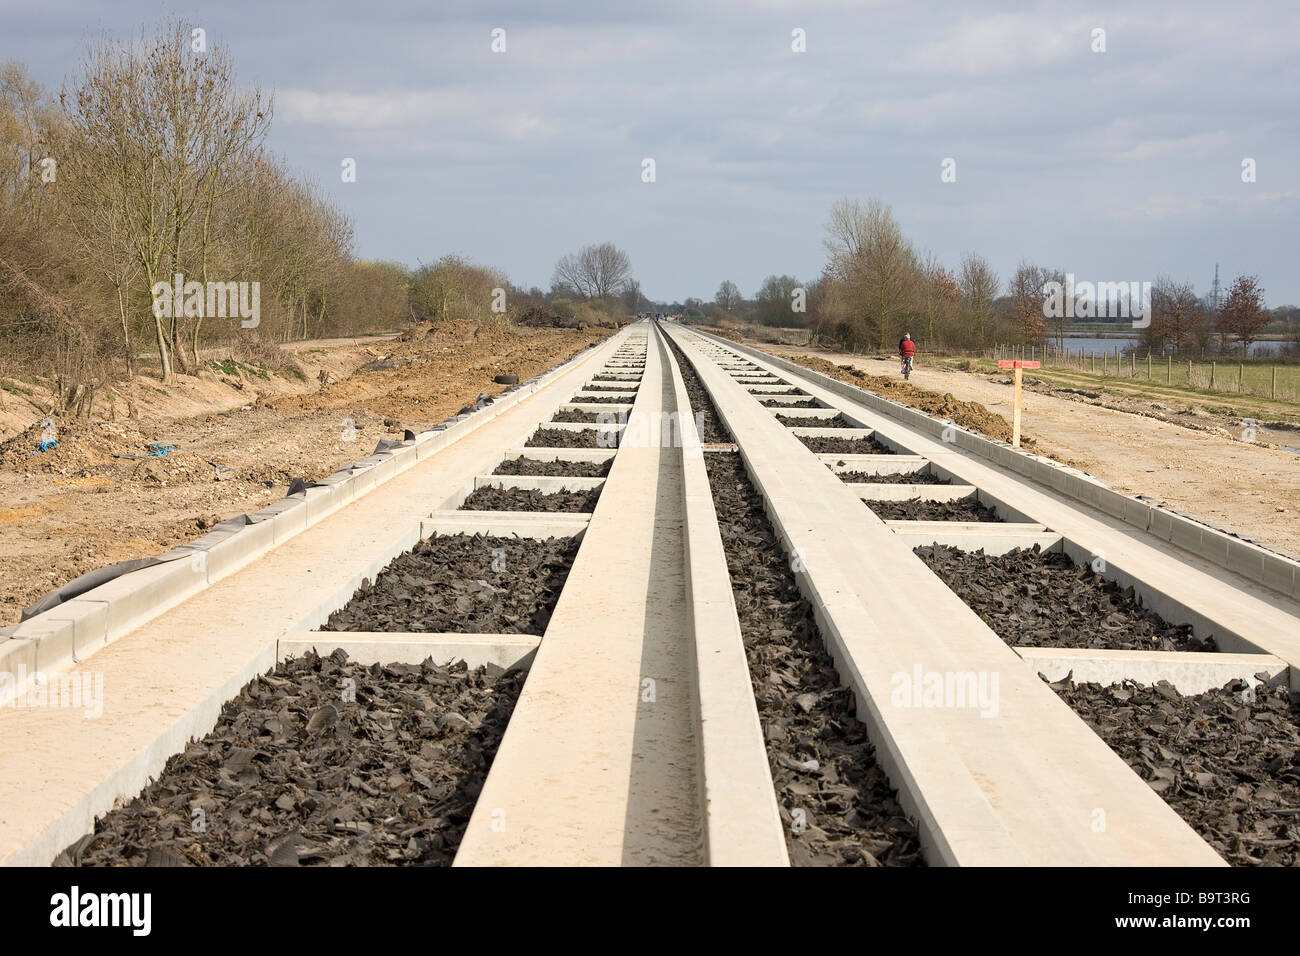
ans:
(827, 445)
(1228, 765)
(294, 774)
(1034, 598)
(564, 438)
(592, 418)
(773, 403)
(529, 499)
(554, 469)
(821, 760)
(968, 509)
(712, 431)
(451, 583)
(835, 421)
(894, 478)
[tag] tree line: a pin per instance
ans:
(876, 285)
(151, 164)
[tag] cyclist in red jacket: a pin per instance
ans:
(906, 351)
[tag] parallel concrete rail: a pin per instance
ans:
(1029, 783)
(636, 738)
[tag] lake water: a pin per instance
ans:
(1099, 345)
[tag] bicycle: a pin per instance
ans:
(906, 368)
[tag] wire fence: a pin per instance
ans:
(1273, 381)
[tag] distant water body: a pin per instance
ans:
(1099, 345)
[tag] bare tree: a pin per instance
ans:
(153, 130)
(875, 262)
(728, 297)
(1027, 291)
(1177, 318)
(775, 299)
(979, 289)
(938, 299)
(594, 272)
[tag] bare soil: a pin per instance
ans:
(78, 507)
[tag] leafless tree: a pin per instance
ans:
(1026, 290)
(594, 272)
(876, 264)
(979, 290)
(728, 297)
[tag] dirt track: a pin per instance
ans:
(1200, 468)
(68, 511)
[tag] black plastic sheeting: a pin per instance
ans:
(93, 579)
(89, 580)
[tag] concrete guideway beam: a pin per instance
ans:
(59, 638)
(1210, 546)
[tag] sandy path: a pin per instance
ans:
(1249, 489)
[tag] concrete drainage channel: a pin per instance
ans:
(797, 627)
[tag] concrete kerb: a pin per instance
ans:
(743, 824)
(1189, 672)
(1273, 570)
(400, 647)
(133, 776)
(139, 596)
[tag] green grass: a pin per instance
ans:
(232, 367)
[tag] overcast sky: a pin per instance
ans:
(1118, 165)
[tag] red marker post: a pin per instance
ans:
(1016, 364)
